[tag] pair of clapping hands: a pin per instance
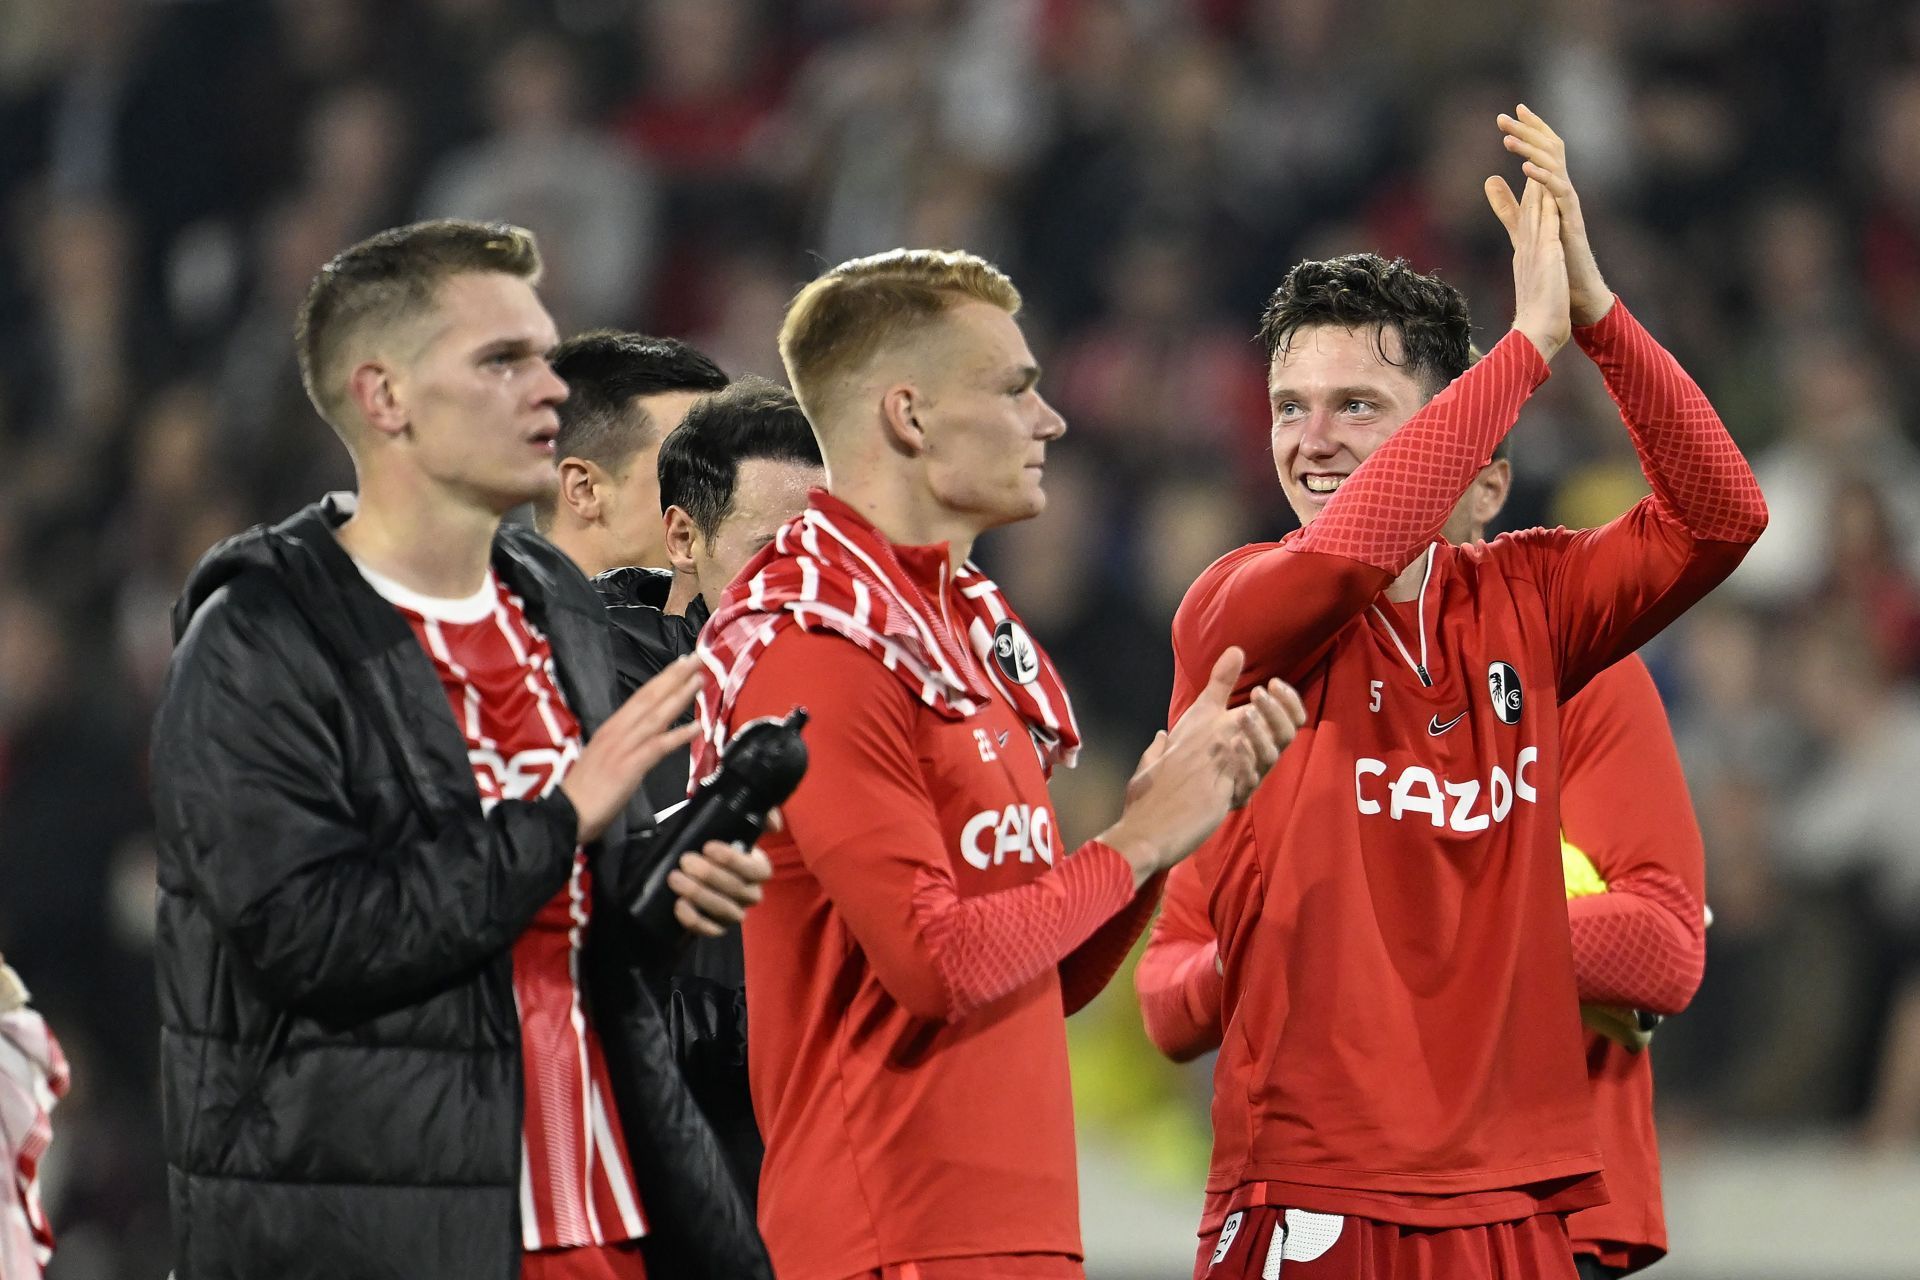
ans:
(1556, 282)
(1185, 784)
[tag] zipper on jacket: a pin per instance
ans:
(1420, 621)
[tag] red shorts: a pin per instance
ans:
(589, 1262)
(995, 1266)
(1290, 1244)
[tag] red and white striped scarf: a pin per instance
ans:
(829, 569)
(33, 1076)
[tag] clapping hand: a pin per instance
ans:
(1544, 160)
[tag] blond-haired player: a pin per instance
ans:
(926, 928)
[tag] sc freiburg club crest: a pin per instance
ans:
(1014, 654)
(1503, 686)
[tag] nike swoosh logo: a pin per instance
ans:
(1435, 728)
(1001, 738)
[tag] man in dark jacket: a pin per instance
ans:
(403, 1035)
(730, 475)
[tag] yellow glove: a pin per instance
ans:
(1622, 1026)
(1582, 877)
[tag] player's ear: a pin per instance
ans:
(1490, 490)
(683, 539)
(900, 407)
(579, 487)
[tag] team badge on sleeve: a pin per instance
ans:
(1503, 686)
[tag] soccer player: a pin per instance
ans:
(626, 392)
(737, 469)
(1400, 1089)
(1635, 875)
(926, 928)
(392, 792)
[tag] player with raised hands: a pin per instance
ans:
(1400, 1089)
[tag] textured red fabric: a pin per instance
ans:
(995, 1266)
(1178, 978)
(1625, 796)
(611, 1262)
(1086, 973)
(1533, 1248)
(1625, 802)
(987, 946)
(1396, 500)
(909, 964)
(1390, 906)
(1642, 944)
(946, 634)
(1692, 464)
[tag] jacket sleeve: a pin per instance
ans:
(1642, 943)
(1178, 978)
(1086, 972)
(258, 823)
(1609, 590)
(1284, 603)
(866, 827)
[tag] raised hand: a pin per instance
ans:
(1540, 298)
(1544, 160)
(1210, 763)
(633, 740)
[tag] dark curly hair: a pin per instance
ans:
(1365, 291)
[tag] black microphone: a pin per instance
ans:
(759, 769)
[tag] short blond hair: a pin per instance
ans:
(389, 279)
(838, 323)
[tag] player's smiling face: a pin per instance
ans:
(1334, 400)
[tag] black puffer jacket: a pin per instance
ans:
(646, 639)
(702, 990)
(340, 1052)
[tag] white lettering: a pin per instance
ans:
(1418, 790)
(1362, 768)
(1019, 831)
(1405, 802)
(1500, 792)
(1040, 833)
(530, 773)
(1012, 835)
(1464, 794)
(977, 858)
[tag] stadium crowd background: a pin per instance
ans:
(172, 173)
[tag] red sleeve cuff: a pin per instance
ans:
(1609, 331)
(1108, 875)
(1531, 363)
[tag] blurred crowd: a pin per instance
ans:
(173, 173)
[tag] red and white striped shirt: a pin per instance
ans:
(576, 1182)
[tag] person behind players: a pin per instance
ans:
(1635, 878)
(34, 1076)
(737, 469)
(726, 484)
(1400, 1088)
(626, 392)
(926, 925)
(392, 795)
